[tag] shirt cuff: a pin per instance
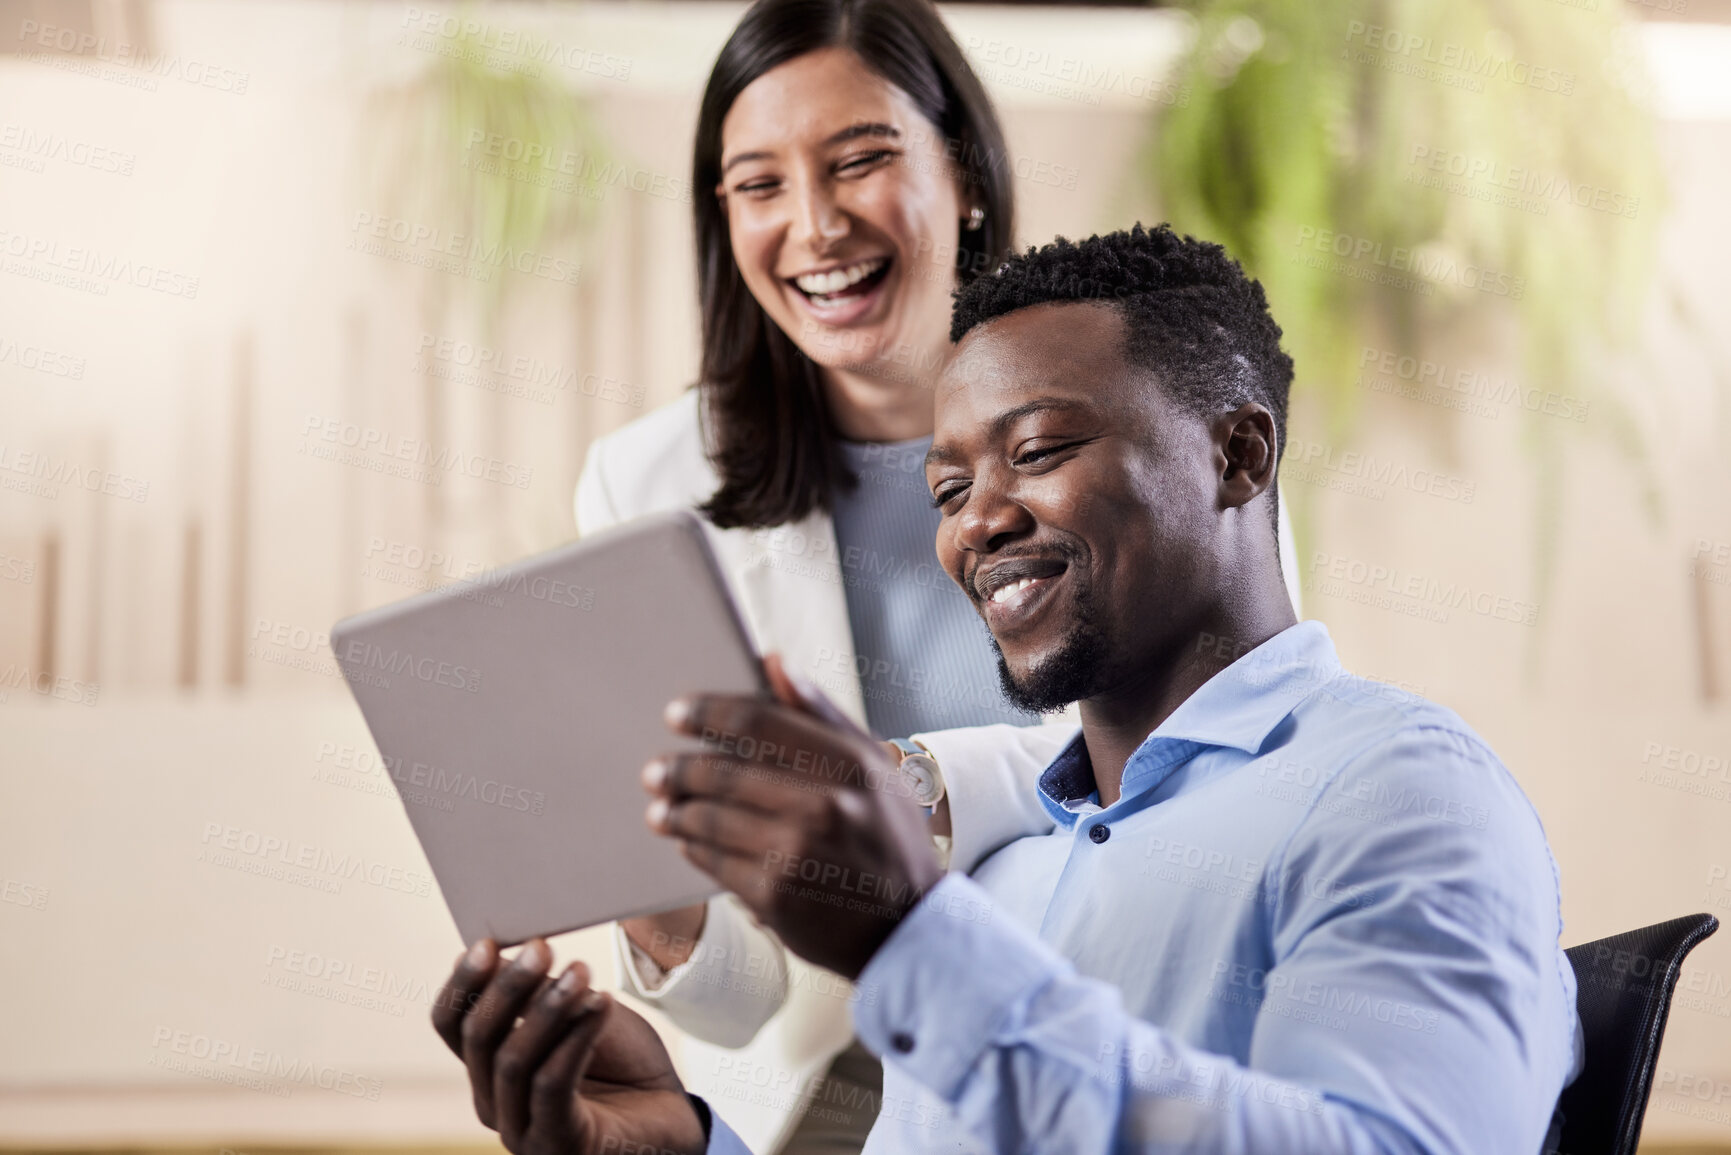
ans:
(642, 976)
(649, 972)
(946, 983)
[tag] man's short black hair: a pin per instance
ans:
(1191, 314)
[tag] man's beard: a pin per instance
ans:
(1076, 670)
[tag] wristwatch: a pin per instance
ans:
(922, 773)
(920, 768)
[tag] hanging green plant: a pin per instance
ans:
(483, 142)
(1392, 170)
(487, 152)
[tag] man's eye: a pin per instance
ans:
(1035, 456)
(943, 495)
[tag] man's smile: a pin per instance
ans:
(1011, 593)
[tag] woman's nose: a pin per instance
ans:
(820, 222)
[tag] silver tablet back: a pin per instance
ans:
(515, 712)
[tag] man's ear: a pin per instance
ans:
(1246, 449)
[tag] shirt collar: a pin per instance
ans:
(1238, 708)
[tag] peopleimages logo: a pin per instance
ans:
(38, 147)
(66, 689)
(482, 43)
(1275, 987)
(588, 171)
(1303, 459)
(344, 981)
(1430, 265)
(1417, 595)
(1473, 384)
(359, 656)
(1542, 187)
(452, 252)
(1416, 51)
(1039, 69)
(169, 66)
(457, 355)
(25, 894)
(41, 359)
(382, 451)
(89, 269)
(172, 1048)
(442, 783)
(43, 475)
(303, 863)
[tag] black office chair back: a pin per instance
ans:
(1625, 984)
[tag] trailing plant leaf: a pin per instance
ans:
(432, 160)
(1394, 170)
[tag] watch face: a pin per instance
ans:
(928, 783)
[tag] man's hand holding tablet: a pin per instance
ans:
(804, 820)
(557, 1068)
(800, 813)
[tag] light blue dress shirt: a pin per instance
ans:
(1322, 917)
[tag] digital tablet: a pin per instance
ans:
(515, 713)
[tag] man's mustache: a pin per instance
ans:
(1031, 560)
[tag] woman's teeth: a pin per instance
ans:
(1004, 593)
(820, 284)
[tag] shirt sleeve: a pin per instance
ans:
(734, 981)
(722, 1138)
(1414, 1003)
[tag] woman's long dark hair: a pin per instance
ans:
(766, 423)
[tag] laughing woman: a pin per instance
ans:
(849, 170)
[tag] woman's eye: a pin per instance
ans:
(863, 161)
(756, 187)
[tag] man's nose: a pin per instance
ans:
(992, 516)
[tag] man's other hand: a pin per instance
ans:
(801, 814)
(556, 1067)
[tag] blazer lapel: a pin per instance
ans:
(789, 584)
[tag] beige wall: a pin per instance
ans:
(211, 706)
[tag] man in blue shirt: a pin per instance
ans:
(1282, 909)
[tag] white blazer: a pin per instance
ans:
(763, 1025)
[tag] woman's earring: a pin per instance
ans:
(976, 219)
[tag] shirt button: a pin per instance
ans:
(1100, 833)
(902, 1042)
